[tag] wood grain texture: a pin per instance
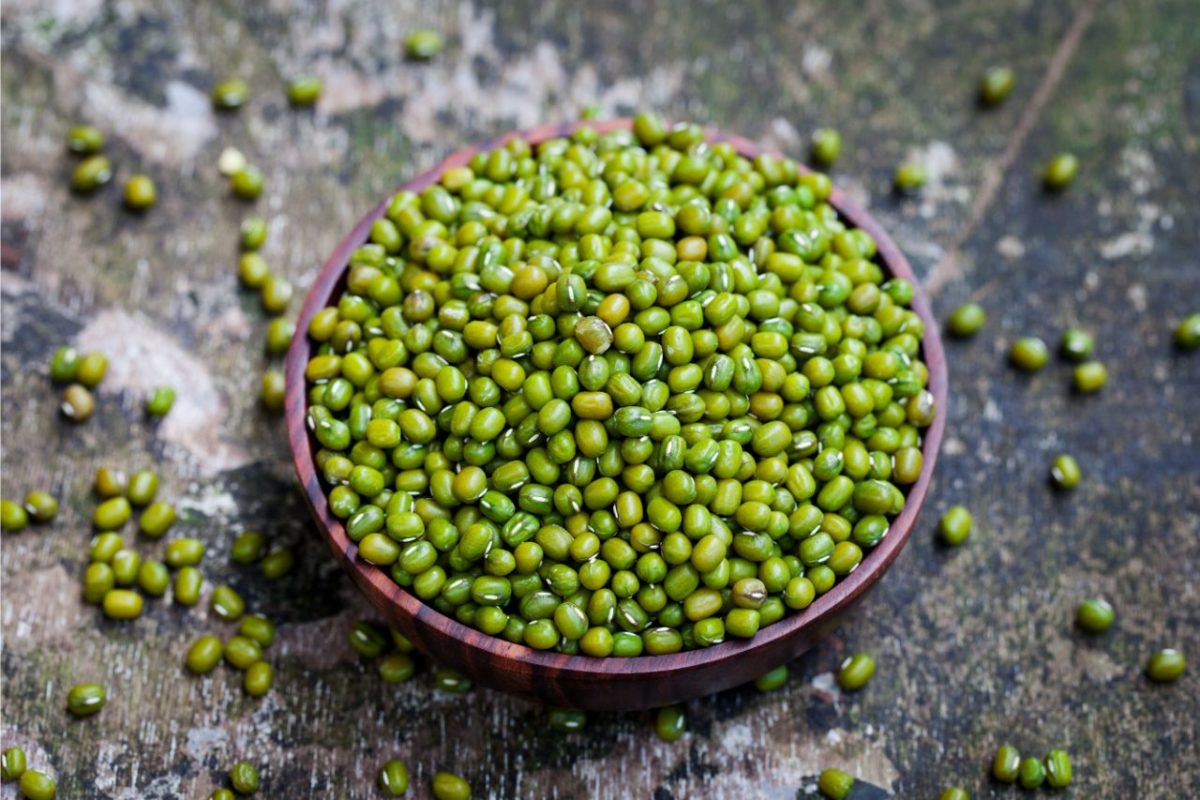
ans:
(611, 684)
(974, 645)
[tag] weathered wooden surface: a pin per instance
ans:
(975, 646)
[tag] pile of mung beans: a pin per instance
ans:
(618, 393)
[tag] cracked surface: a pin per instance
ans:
(975, 645)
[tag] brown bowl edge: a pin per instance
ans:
(574, 680)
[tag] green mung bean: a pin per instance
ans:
(1029, 354)
(37, 785)
(153, 578)
(448, 680)
(85, 140)
(125, 566)
(252, 234)
(63, 364)
(304, 91)
(396, 668)
(1065, 472)
(122, 604)
(243, 776)
(184, 552)
(13, 516)
(955, 525)
(156, 519)
(1090, 377)
(248, 547)
(160, 401)
(227, 603)
(140, 192)
(1060, 172)
(188, 584)
(670, 723)
(241, 652)
(12, 764)
(253, 270)
(423, 45)
(258, 628)
(91, 368)
(78, 405)
(447, 786)
(277, 563)
(1076, 344)
(275, 294)
(86, 699)
(909, 178)
(246, 183)
(566, 720)
(367, 639)
(856, 671)
(91, 173)
(143, 484)
(826, 146)
(1031, 774)
(273, 390)
(111, 514)
(1006, 764)
(996, 86)
(98, 581)
(1095, 615)
(835, 784)
(1166, 665)
(773, 679)
(258, 679)
(393, 778)
(1058, 769)
(967, 320)
(230, 94)
(109, 482)
(1187, 332)
(279, 336)
(204, 654)
(41, 506)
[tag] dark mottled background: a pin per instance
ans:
(975, 646)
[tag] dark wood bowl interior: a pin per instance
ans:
(583, 681)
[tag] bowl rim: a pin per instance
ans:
(380, 588)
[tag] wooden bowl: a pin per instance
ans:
(582, 681)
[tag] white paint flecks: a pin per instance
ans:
(62, 11)
(1137, 296)
(57, 612)
(783, 135)
(212, 503)
(171, 135)
(1137, 167)
(499, 88)
(940, 162)
(25, 196)
(816, 60)
(202, 741)
(142, 357)
(1011, 247)
(1132, 243)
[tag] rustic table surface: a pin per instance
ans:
(975, 646)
